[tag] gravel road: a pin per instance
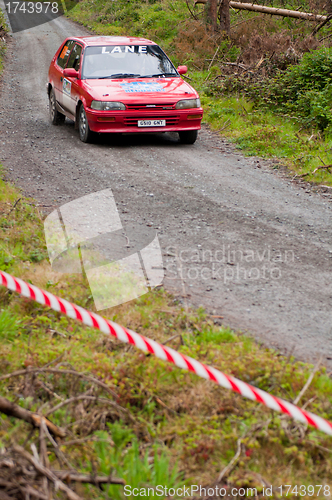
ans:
(252, 246)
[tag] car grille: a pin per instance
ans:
(140, 107)
(132, 121)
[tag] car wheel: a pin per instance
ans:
(188, 136)
(83, 126)
(56, 117)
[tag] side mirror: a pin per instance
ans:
(182, 70)
(70, 73)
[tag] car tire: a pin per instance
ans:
(83, 127)
(188, 136)
(56, 117)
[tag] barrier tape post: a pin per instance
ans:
(163, 352)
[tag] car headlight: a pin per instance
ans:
(107, 105)
(188, 104)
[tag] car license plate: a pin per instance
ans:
(151, 123)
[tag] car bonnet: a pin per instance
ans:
(138, 89)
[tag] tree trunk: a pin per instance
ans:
(212, 13)
(225, 24)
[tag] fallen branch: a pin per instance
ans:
(225, 126)
(12, 410)
(246, 21)
(319, 26)
(308, 382)
(18, 373)
(47, 473)
(69, 476)
(27, 490)
(232, 463)
(322, 167)
(273, 11)
(165, 406)
(87, 398)
(75, 442)
(238, 65)
(318, 446)
(43, 455)
(13, 207)
(213, 58)
(172, 338)
(57, 451)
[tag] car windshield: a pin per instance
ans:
(126, 61)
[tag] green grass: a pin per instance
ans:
(133, 466)
(170, 426)
(3, 32)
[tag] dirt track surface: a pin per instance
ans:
(252, 246)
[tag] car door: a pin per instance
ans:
(70, 87)
(60, 65)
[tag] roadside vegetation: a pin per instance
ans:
(3, 33)
(130, 415)
(266, 86)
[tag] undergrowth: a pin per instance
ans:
(3, 34)
(150, 423)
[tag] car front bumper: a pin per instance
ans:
(124, 121)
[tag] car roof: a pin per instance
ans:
(112, 40)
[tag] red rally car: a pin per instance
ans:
(118, 84)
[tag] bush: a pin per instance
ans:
(303, 90)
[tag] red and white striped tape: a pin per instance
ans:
(163, 352)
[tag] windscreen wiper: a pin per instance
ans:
(160, 75)
(119, 75)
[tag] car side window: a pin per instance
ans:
(64, 53)
(75, 57)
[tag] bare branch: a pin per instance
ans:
(85, 478)
(319, 26)
(88, 398)
(13, 410)
(231, 464)
(308, 382)
(48, 473)
(58, 371)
